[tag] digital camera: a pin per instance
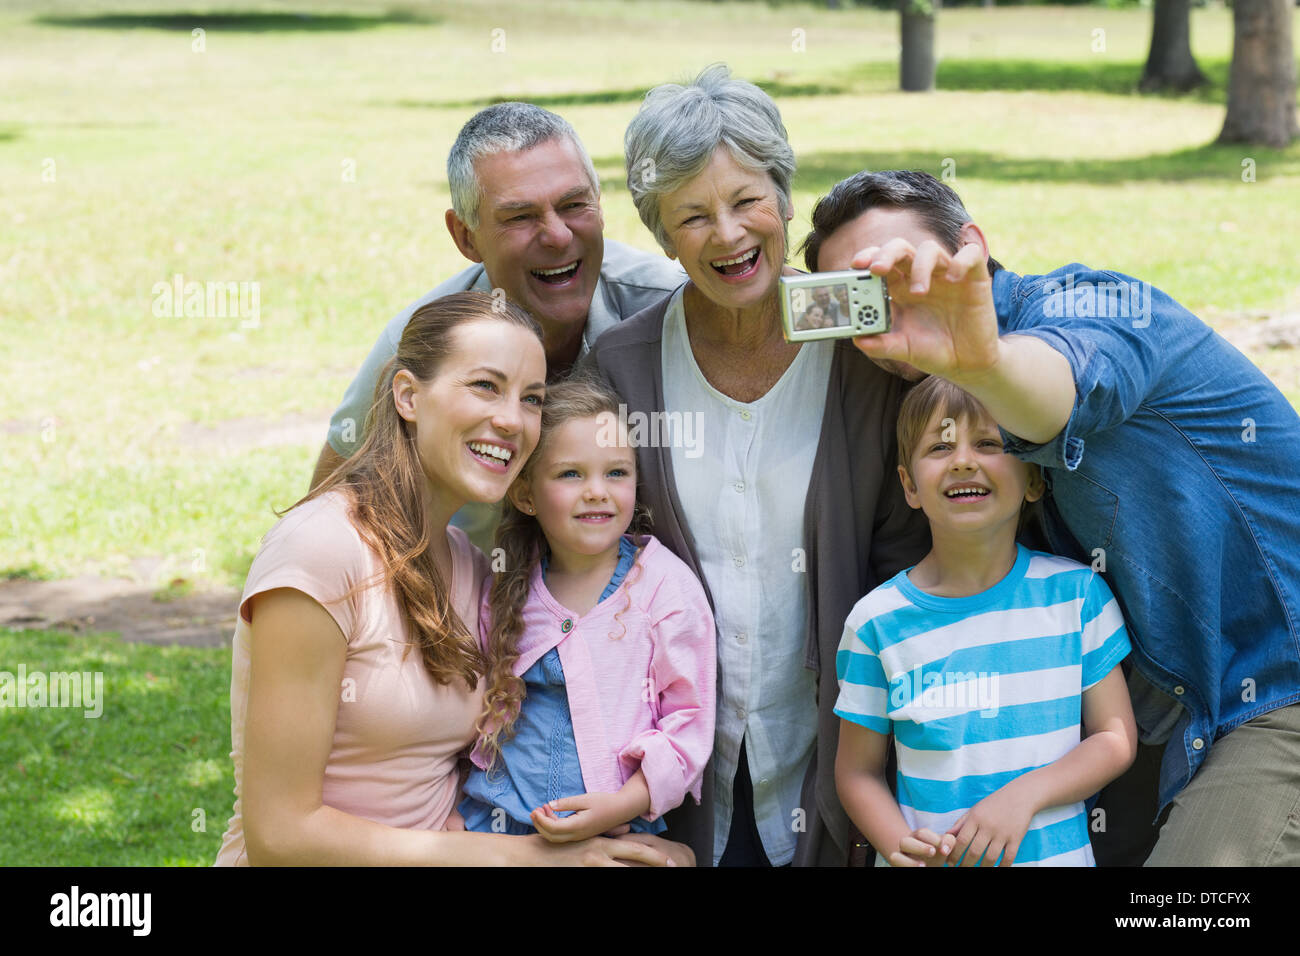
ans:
(833, 305)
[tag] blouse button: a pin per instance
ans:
(567, 626)
(1198, 744)
(1179, 690)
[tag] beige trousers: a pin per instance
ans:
(1242, 808)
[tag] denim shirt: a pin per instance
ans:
(540, 762)
(1176, 476)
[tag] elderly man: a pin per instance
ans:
(526, 209)
(1171, 460)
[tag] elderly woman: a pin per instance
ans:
(794, 510)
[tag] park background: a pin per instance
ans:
(302, 146)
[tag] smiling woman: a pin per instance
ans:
(796, 480)
(475, 415)
(358, 669)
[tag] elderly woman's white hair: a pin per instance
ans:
(674, 135)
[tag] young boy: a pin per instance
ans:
(976, 660)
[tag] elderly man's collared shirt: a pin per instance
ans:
(742, 486)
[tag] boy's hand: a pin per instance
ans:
(989, 834)
(595, 814)
(922, 848)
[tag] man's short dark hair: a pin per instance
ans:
(936, 204)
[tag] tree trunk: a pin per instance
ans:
(1261, 81)
(1170, 64)
(917, 63)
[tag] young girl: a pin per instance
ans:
(599, 707)
(358, 673)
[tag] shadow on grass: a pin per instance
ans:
(1110, 77)
(775, 89)
(974, 75)
(248, 21)
(1082, 76)
(818, 172)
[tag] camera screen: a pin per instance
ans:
(821, 306)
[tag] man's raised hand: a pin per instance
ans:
(941, 309)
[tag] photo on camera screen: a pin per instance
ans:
(824, 307)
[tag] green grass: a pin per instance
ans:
(227, 165)
(120, 789)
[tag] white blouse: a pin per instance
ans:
(743, 503)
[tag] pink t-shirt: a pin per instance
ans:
(399, 733)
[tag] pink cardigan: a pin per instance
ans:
(644, 698)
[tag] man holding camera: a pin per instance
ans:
(1171, 463)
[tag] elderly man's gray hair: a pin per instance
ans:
(504, 127)
(678, 128)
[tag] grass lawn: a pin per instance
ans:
(301, 146)
(148, 781)
(236, 164)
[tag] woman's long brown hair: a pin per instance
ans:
(520, 545)
(386, 485)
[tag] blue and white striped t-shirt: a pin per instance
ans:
(978, 690)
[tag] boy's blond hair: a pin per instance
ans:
(928, 396)
(936, 394)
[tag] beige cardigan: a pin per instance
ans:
(858, 533)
